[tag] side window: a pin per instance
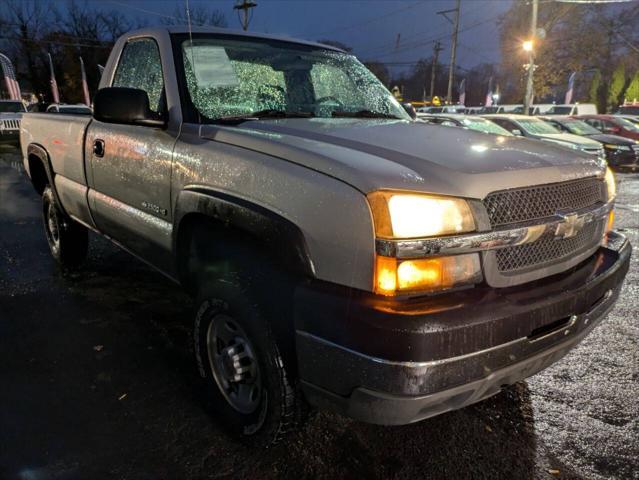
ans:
(594, 123)
(140, 67)
(504, 124)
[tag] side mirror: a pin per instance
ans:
(517, 132)
(125, 105)
(410, 110)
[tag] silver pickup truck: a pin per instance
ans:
(342, 255)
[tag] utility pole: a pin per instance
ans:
(529, 46)
(436, 49)
(245, 7)
(453, 50)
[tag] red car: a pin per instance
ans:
(612, 125)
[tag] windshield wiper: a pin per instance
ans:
(262, 114)
(363, 114)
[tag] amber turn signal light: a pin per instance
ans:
(394, 276)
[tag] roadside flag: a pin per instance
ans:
(489, 94)
(85, 86)
(54, 84)
(571, 85)
(13, 89)
(462, 93)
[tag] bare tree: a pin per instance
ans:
(199, 15)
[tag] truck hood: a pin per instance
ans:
(612, 139)
(372, 154)
(582, 142)
(10, 116)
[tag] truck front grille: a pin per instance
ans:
(11, 124)
(549, 250)
(543, 201)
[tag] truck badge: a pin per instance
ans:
(570, 226)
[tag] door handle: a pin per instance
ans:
(98, 148)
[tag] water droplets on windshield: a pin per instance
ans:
(257, 76)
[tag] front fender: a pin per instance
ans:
(279, 235)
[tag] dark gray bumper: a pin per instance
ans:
(391, 392)
(10, 137)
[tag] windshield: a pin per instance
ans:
(627, 124)
(232, 78)
(537, 127)
(628, 110)
(485, 126)
(11, 107)
(76, 110)
(579, 127)
(560, 111)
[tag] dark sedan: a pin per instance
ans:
(621, 152)
(612, 124)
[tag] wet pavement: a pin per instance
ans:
(98, 382)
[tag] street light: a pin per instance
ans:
(527, 46)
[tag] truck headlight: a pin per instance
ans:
(404, 215)
(624, 148)
(412, 215)
(611, 186)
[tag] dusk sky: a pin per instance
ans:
(369, 27)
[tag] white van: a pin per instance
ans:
(574, 109)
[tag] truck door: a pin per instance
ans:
(130, 165)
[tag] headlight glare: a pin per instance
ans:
(394, 276)
(624, 148)
(611, 186)
(408, 215)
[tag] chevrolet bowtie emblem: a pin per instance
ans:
(570, 226)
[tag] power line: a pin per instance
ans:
(420, 39)
(453, 49)
(441, 37)
(143, 10)
(365, 22)
(246, 7)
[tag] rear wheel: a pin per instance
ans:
(250, 386)
(68, 240)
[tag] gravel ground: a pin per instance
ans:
(99, 383)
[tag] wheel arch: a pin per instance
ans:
(41, 171)
(202, 213)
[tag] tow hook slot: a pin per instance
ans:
(600, 300)
(549, 328)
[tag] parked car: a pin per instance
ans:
(534, 127)
(539, 109)
(621, 153)
(10, 116)
(67, 109)
(473, 122)
(473, 110)
(631, 118)
(612, 125)
(628, 109)
(573, 109)
(340, 253)
(506, 108)
(442, 109)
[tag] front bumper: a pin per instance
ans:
(623, 160)
(10, 136)
(396, 362)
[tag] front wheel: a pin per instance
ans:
(239, 359)
(68, 240)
